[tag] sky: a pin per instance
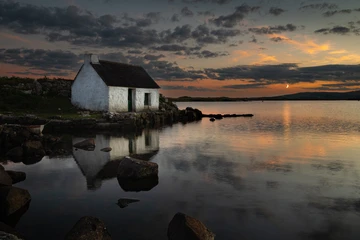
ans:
(190, 47)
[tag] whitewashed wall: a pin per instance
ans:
(140, 97)
(118, 99)
(89, 91)
(153, 136)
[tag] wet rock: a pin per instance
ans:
(184, 227)
(88, 228)
(212, 119)
(107, 149)
(34, 149)
(2, 167)
(13, 199)
(16, 176)
(88, 144)
(124, 202)
(5, 179)
(218, 116)
(15, 154)
(131, 168)
(137, 185)
(7, 232)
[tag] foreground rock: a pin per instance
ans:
(34, 149)
(184, 227)
(16, 176)
(5, 179)
(106, 149)
(138, 185)
(124, 202)
(13, 200)
(88, 228)
(88, 144)
(131, 168)
(7, 232)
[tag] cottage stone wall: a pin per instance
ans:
(89, 91)
(140, 97)
(118, 99)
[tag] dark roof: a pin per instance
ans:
(124, 75)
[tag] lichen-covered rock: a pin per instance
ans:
(88, 228)
(183, 227)
(5, 179)
(34, 149)
(87, 144)
(16, 176)
(131, 168)
(12, 199)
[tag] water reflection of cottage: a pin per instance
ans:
(98, 165)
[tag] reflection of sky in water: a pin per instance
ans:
(290, 172)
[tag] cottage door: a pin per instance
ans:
(130, 100)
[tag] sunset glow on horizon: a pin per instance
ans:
(190, 47)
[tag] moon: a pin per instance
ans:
(287, 85)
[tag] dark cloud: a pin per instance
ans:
(179, 34)
(273, 29)
(187, 88)
(231, 20)
(186, 12)
(319, 6)
(54, 61)
(115, 57)
(210, 54)
(175, 18)
(278, 39)
(253, 39)
(246, 86)
(220, 2)
(153, 57)
(148, 19)
(332, 13)
(135, 51)
(287, 73)
(171, 48)
(206, 13)
(276, 11)
(335, 30)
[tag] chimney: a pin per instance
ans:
(91, 58)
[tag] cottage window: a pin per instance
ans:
(147, 99)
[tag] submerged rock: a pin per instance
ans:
(88, 144)
(16, 176)
(124, 202)
(88, 228)
(5, 179)
(137, 185)
(13, 199)
(212, 119)
(131, 168)
(184, 227)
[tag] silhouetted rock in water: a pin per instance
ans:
(88, 228)
(183, 227)
(107, 149)
(33, 149)
(218, 116)
(131, 168)
(137, 185)
(124, 202)
(212, 119)
(88, 144)
(13, 200)
(15, 154)
(9, 233)
(5, 179)
(16, 176)
(2, 167)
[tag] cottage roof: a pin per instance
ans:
(123, 75)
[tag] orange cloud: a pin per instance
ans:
(14, 37)
(265, 58)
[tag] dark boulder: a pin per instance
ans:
(5, 179)
(88, 228)
(124, 202)
(13, 199)
(131, 168)
(212, 119)
(88, 144)
(198, 114)
(15, 154)
(184, 227)
(33, 149)
(218, 116)
(16, 176)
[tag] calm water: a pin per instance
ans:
(290, 172)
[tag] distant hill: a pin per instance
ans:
(353, 95)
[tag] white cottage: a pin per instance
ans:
(114, 87)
